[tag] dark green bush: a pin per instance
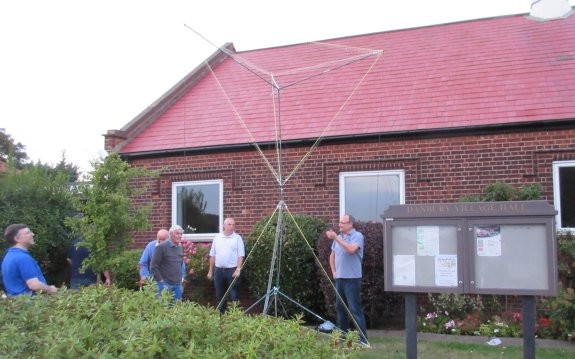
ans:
(566, 262)
(40, 198)
(560, 314)
(561, 309)
(500, 191)
(100, 322)
(296, 264)
(124, 269)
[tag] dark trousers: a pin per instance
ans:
(222, 280)
(349, 290)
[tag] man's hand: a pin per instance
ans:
(331, 234)
(236, 273)
(209, 276)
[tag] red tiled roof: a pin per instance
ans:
(477, 73)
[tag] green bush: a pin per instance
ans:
(295, 264)
(124, 269)
(40, 198)
(560, 315)
(500, 191)
(100, 322)
(559, 312)
(566, 260)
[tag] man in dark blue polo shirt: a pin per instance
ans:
(75, 255)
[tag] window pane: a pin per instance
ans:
(567, 196)
(368, 195)
(198, 206)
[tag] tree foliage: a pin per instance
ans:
(108, 214)
(10, 150)
(71, 170)
(39, 197)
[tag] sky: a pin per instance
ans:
(71, 70)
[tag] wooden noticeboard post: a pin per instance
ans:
(504, 248)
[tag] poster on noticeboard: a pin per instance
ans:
(488, 239)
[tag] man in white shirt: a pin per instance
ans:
(226, 258)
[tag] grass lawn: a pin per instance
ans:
(386, 347)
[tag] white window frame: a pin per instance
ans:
(199, 237)
(557, 192)
(344, 175)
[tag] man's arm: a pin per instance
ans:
(332, 263)
(144, 262)
(241, 256)
(155, 263)
(107, 278)
(350, 248)
(37, 286)
(239, 268)
(211, 269)
(183, 271)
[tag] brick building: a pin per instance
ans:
(351, 125)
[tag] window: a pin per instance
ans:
(564, 193)
(365, 195)
(198, 208)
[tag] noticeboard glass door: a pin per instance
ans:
(424, 255)
(509, 257)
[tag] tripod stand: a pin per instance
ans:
(273, 296)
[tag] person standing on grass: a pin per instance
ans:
(21, 273)
(345, 262)
(226, 258)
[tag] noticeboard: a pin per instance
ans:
(479, 247)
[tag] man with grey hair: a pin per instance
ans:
(167, 264)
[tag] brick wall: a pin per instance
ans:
(437, 169)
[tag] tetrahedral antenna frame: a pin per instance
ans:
(273, 293)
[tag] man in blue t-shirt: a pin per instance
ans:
(20, 271)
(345, 261)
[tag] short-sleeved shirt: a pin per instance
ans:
(168, 262)
(348, 265)
(19, 266)
(227, 250)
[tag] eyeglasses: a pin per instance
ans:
(340, 222)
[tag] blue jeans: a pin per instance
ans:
(222, 280)
(349, 290)
(175, 289)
